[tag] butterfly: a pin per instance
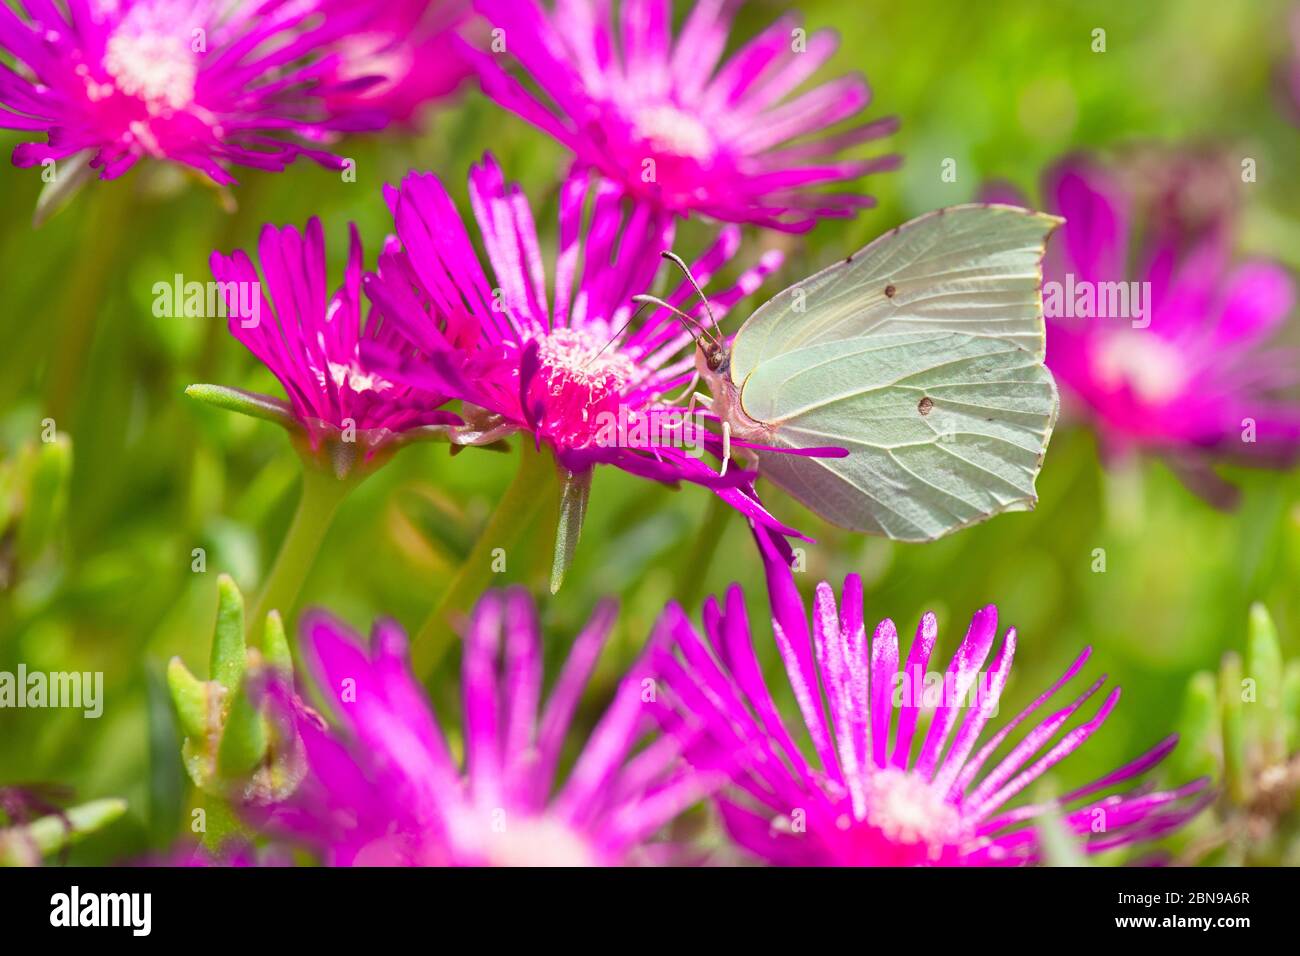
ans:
(920, 356)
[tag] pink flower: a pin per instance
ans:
(198, 82)
(662, 119)
(310, 340)
(1190, 373)
(383, 788)
(565, 366)
(412, 46)
(869, 799)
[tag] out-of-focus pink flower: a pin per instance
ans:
(413, 46)
(871, 798)
(1185, 369)
(566, 366)
(203, 83)
(385, 789)
(310, 340)
(673, 123)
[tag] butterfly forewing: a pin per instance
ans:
(922, 355)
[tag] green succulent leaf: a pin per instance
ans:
(243, 739)
(1264, 664)
(48, 473)
(575, 491)
(68, 181)
(275, 646)
(190, 697)
(52, 833)
(246, 403)
(1200, 743)
(1234, 735)
(229, 651)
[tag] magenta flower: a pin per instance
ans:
(412, 45)
(662, 119)
(567, 368)
(384, 788)
(1185, 369)
(310, 340)
(869, 800)
(197, 82)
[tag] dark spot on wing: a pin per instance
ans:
(924, 405)
(890, 290)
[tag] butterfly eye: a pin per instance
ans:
(713, 356)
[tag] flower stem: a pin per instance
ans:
(105, 236)
(533, 486)
(322, 493)
(694, 570)
(220, 823)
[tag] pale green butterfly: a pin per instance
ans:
(922, 356)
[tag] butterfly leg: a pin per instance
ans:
(704, 400)
(726, 448)
(690, 388)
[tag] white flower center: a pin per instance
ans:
(536, 842)
(584, 357)
(356, 379)
(155, 66)
(907, 810)
(1153, 368)
(671, 130)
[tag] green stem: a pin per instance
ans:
(220, 823)
(83, 299)
(692, 572)
(533, 486)
(322, 493)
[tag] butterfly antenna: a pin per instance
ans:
(614, 338)
(685, 319)
(677, 260)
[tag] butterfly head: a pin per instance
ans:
(712, 356)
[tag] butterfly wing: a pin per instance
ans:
(923, 356)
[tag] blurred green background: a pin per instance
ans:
(1004, 88)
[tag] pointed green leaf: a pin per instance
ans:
(246, 403)
(1234, 738)
(48, 473)
(1264, 657)
(1199, 737)
(190, 696)
(243, 740)
(52, 833)
(275, 646)
(228, 648)
(68, 181)
(575, 490)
